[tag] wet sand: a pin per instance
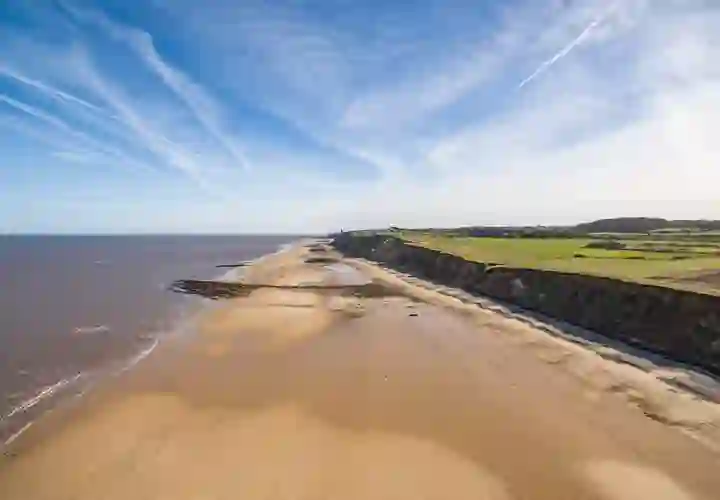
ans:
(292, 394)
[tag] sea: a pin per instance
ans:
(77, 309)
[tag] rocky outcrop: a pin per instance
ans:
(684, 326)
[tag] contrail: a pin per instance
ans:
(189, 92)
(49, 90)
(65, 127)
(568, 48)
(152, 139)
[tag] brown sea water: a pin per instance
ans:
(76, 308)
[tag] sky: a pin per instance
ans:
(221, 116)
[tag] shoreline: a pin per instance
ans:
(681, 326)
(331, 394)
(66, 391)
(102, 379)
(680, 396)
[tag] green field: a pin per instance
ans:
(667, 236)
(678, 263)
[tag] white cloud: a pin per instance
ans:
(67, 132)
(74, 156)
(204, 107)
(401, 105)
(640, 154)
(285, 59)
(623, 126)
(49, 90)
(154, 140)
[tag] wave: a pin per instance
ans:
(81, 383)
(286, 246)
(66, 384)
(17, 434)
(91, 329)
(139, 357)
(43, 394)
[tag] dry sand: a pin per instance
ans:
(300, 395)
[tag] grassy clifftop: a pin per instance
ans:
(679, 262)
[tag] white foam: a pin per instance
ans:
(139, 357)
(12, 438)
(287, 246)
(51, 390)
(92, 329)
(43, 394)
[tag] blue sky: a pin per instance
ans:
(312, 115)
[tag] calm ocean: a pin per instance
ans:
(75, 307)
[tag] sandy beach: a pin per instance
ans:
(305, 394)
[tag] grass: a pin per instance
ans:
(674, 266)
(667, 236)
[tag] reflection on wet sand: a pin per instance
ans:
(294, 393)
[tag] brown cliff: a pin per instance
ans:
(682, 325)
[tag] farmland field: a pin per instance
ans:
(678, 263)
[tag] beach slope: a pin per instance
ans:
(291, 393)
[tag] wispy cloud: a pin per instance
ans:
(152, 139)
(74, 156)
(49, 90)
(196, 99)
(204, 108)
(68, 132)
(43, 116)
(411, 100)
(356, 116)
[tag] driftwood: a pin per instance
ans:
(239, 264)
(225, 290)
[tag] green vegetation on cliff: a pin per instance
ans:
(680, 324)
(677, 263)
(622, 227)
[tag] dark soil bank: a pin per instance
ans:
(684, 326)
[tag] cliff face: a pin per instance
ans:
(685, 326)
